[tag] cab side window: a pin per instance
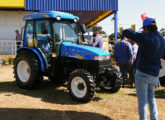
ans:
(28, 34)
(43, 34)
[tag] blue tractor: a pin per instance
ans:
(51, 47)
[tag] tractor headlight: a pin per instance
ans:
(102, 58)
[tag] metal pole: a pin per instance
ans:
(115, 27)
(88, 35)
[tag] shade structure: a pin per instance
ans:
(89, 11)
(72, 5)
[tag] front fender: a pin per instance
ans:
(113, 71)
(36, 52)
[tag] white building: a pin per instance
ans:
(11, 19)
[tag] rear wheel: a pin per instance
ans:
(81, 86)
(27, 70)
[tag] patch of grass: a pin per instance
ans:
(7, 59)
(3, 62)
(10, 60)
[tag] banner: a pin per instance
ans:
(12, 3)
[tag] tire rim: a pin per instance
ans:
(78, 87)
(23, 71)
(105, 83)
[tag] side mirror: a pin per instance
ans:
(81, 28)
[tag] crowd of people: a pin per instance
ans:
(125, 55)
(139, 54)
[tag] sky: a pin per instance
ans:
(129, 12)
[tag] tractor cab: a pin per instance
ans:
(47, 30)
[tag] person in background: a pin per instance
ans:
(151, 48)
(124, 57)
(132, 67)
(18, 39)
(110, 47)
(46, 48)
(164, 35)
(97, 42)
(134, 49)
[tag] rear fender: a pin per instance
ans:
(37, 53)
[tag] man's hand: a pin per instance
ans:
(131, 62)
(134, 55)
(83, 43)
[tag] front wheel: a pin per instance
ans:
(81, 86)
(109, 83)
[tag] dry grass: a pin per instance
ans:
(52, 102)
(7, 56)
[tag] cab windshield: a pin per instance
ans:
(65, 31)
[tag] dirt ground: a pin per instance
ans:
(52, 102)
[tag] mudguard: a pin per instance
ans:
(113, 71)
(39, 55)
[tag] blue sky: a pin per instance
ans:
(130, 13)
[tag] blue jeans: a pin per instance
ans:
(145, 88)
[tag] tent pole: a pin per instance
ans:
(116, 19)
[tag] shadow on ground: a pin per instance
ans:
(158, 94)
(48, 92)
(44, 114)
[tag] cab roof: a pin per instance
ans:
(50, 14)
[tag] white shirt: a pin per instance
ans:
(135, 50)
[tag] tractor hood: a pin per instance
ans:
(83, 52)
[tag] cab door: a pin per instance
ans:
(43, 35)
(43, 38)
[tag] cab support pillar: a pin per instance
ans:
(88, 34)
(115, 25)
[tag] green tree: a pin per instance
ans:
(162, 29)
(99, 29)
